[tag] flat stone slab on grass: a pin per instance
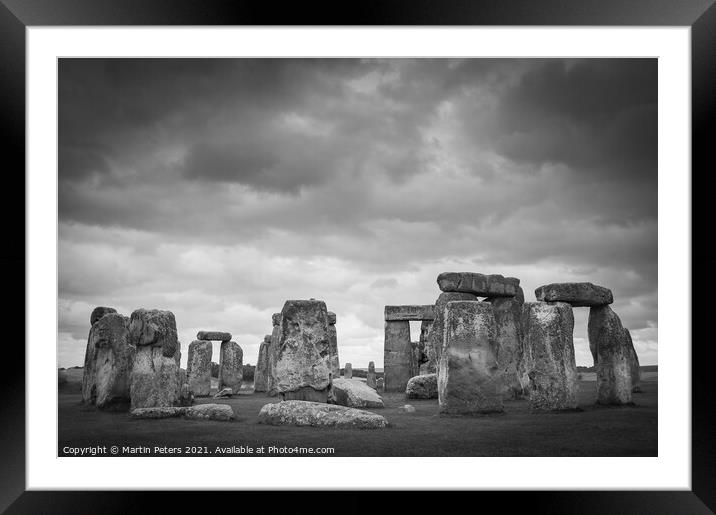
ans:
(355, 394)
(214, 336)
(578, 295)
(410, 312)
(422, 387)
(210, 412)
(158, 412)
(478, 284)
(317, 414)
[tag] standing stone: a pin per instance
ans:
(397, 356)
(261, 372)
(89, 387)
(333, 347)
(633, 363)
(272, 352)
(548, 355)
(380, 385)
(231, 366)
(469, 380)
(370, 378)
(348, 371)
(198, 368)
(303, 368)
(576, 294)
(508, 316)
(436, 336)
(113, 361)
(425, 365)
(480, 285)
(99, 312)
(154, 377)
(609, 344)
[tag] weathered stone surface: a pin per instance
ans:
(422, 387)
(355, 394)
(113, 361)
(154, 379)
(333, 346)
(262, 370)
(224, 392)
(380, 385)
(398, 358)
(436, 336)
(634, 367)
(348, 371)
(469, 380)
(231, 366)
(316, 414)
(410, 312)
(158, 412)
(576, 294)
(425, 365)
(508, 319)
(480, 285)
(154, 327)
(303, 356)
(272, 353)
(548, 355)
(198, 369)
(613, 356)
(408, 408)
(99, 312)
(222, 412)
(214, 336)
(370, 378)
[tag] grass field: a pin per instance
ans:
(593, 431)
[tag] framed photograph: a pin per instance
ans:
(422, 248)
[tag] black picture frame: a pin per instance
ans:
(17, 15)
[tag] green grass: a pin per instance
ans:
(594, 431)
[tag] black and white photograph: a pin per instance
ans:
(321, 257)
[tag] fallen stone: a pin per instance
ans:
(214, 336)
(480, 285)
(158, 412)
(99, 312)
(548, 355)
(316, 414)
(154, 327)
(355, 394)
(370, 377)
(436, 336)
(222, 412)
(231, 366)
(575, 294)
(198, 368)
(469, 380)
(303, 368)
(422, 387)
(410, 312)
(348, 371)
(608, 341)
(408, 408)
(225, 392)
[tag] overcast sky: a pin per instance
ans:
(219, 188)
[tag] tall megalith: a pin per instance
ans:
(231, 366)
(548, 355)
(303, 367)
(469, 379)
(609, 344)
(199, 367)
(272, 353)
(333, 346)
(398, 355)
(508, 319)
(261, 372)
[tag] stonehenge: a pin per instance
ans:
(611, 348)
(273, 346)
(400, 360)
(230, 366)
(548, 358)
(576, 294)
(436, 336)
(479, 285)
(348, 371)
(508, 313)
(469, 380)
(422, 387)
(303, 368)
(198, 368)
(333, 346)
(370, 378)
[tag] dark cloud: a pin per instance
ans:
(221, 187)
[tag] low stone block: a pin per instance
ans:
(221, 412)
(422, 387)
(355, 394)
(316, 414)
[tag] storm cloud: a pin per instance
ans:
(219, 188)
